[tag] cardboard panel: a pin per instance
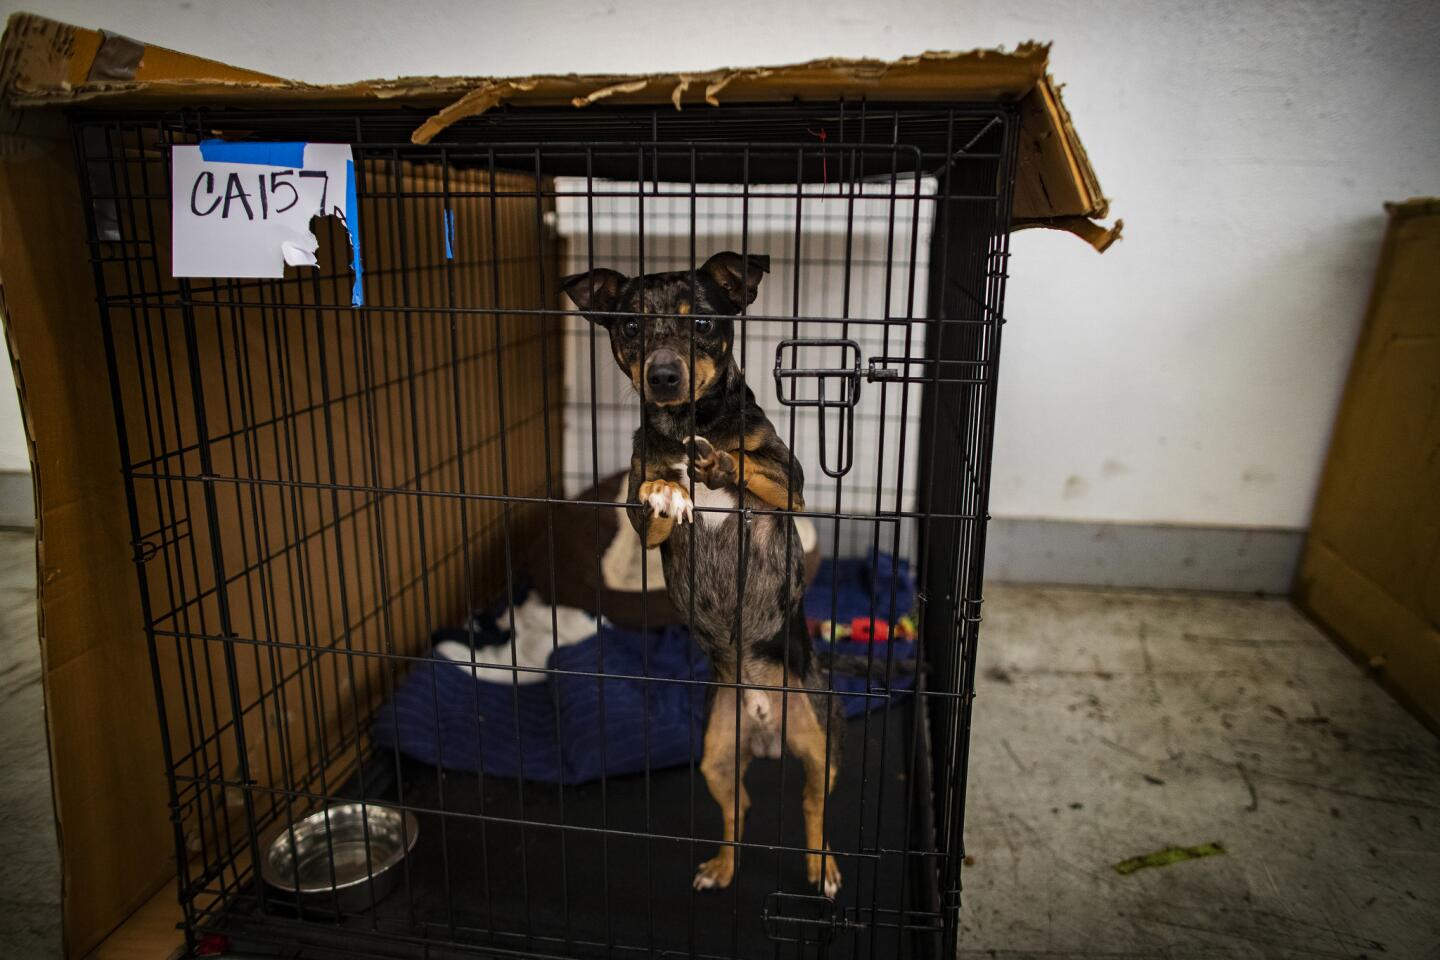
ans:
(47, 63)
(110, 797)
(1371, 568)
(355, 450)
(296, 390)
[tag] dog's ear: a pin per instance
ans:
(738, 276)
(597, 290)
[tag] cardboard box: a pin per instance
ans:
(1370, 572)
(111, 796)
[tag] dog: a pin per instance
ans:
(673, 335)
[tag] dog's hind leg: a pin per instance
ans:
(805, 736)
(727, 754)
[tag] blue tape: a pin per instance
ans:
(269, 154)
(449, 234)
(352, 224)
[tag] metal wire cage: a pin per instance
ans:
(317, 492)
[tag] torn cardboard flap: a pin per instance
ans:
(628, 86)
(473, 103)
(45, 63)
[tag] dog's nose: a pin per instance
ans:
(664, 376)
(664, 371)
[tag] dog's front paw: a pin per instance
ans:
(667, 499)
(827, 878)
(712, 467)
(717, 872)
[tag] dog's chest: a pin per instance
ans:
(710, 504)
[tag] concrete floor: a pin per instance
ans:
(1108, 725)
(29, 859)
(1111, 724)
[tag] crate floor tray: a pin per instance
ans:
(479, 876)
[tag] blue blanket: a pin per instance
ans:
(857, 589)
(574, 728)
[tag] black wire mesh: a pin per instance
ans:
(315, 489)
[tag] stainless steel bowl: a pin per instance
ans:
(345, 857)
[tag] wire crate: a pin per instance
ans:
(319, 491)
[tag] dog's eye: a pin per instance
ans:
(631, 328)
(704, 325)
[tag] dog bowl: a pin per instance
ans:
(345, 857)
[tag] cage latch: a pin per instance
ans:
(925, 370)
(916, 922)
(836, 386)
(149, 545)
(803, 918)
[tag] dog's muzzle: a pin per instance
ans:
(665, 379)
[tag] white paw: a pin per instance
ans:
(703, 881)
(825, 874)
(672, 501)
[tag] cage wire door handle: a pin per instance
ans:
(807, 919)
(848, 375)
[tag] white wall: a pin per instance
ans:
(1191, 373)
(885, 462)
(14, 454)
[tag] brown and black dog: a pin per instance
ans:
(673, 334)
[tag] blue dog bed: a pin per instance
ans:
(574, 729)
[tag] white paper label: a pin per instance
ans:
(244, 209)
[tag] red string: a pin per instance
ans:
(824, 161)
